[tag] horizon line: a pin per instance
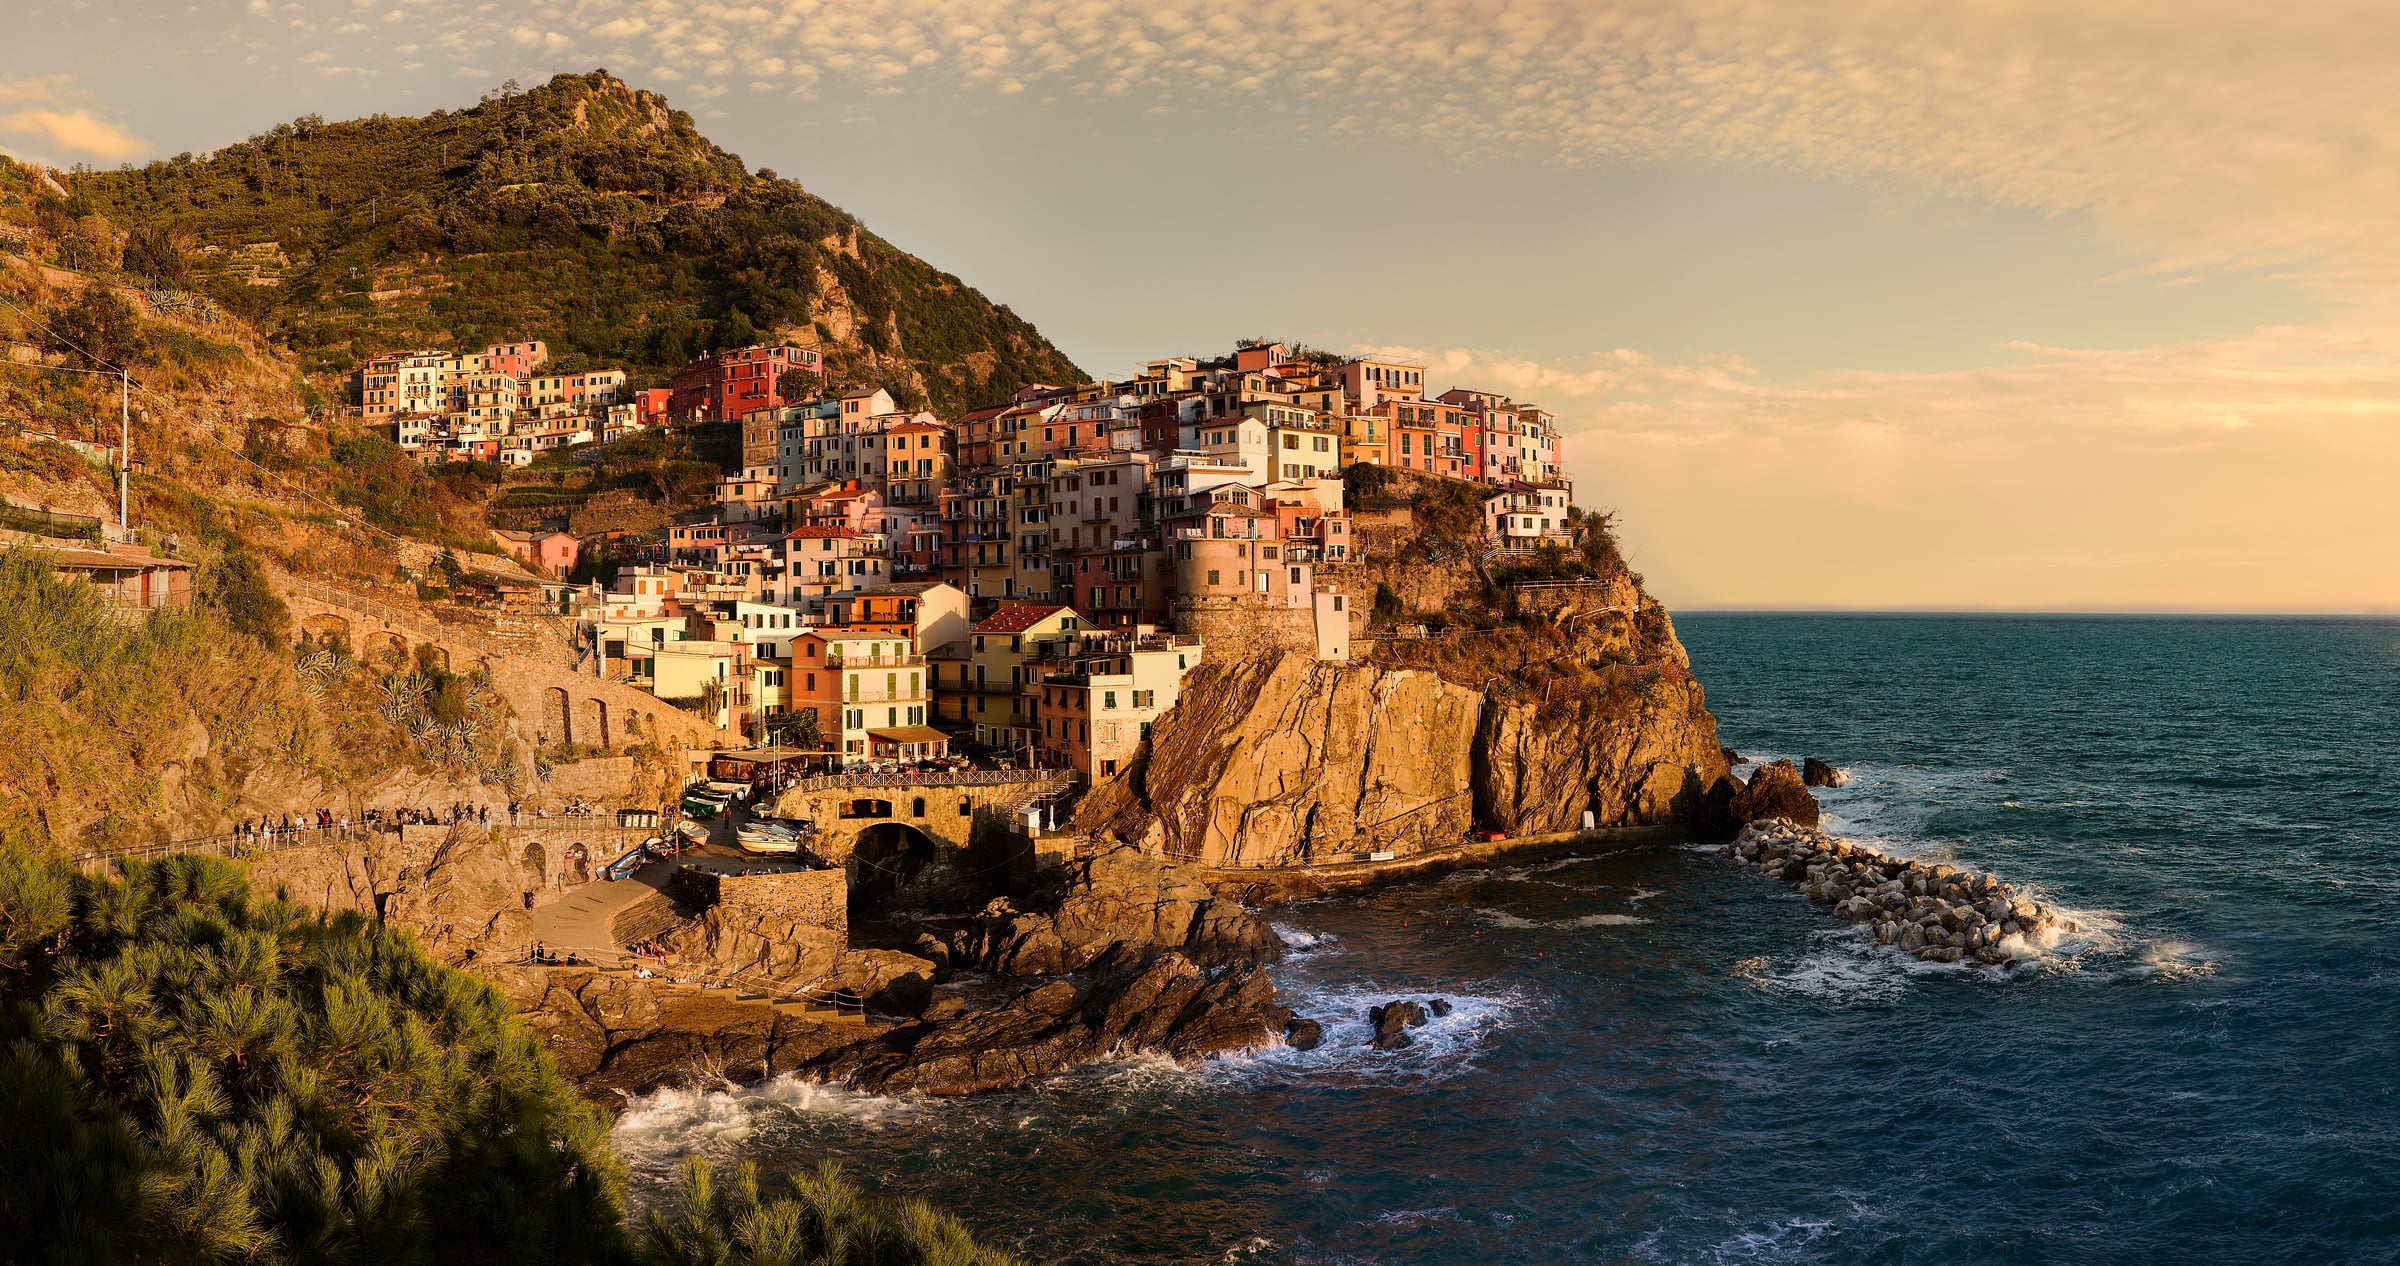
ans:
(2153, 612)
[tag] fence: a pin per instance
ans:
(235, 844)
(277, 839)
(966, 778)
(388, 614)
(51, 523)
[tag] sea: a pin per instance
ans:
(1654, 1057)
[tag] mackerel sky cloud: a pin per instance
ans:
(1970, 302)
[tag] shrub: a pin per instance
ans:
(187, 1074)
(237, 588)
(819, 1219)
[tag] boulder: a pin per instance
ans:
(1302, 1034)
(1439, 1007)
(886, 980)
(1817, 773)
(1167, 1005)
(1123, 906)
(1776, 791)
(1392, 1021)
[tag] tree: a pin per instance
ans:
(98, 330)
(237, 587)
(798, 729)
(819, 1219)
(187, 1074)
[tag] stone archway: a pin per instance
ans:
(385, 649)
(558, 726)
(889, 859)
(326, 629)
(591, 721)
(534, 863)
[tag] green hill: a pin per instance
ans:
(584, 212)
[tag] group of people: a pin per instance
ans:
(321, 820)
(475, 814)
(373, 819)
(544, 956)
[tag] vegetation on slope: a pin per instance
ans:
(190, 1075)
(819, 1220)
(583, 212)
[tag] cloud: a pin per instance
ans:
(2252, 472)
(51, 127)
(2215, 131)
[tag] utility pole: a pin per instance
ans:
(124, 451)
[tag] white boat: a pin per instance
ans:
(735, 790)
(766, 835)
(693, 832)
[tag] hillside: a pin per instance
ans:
(583, 212)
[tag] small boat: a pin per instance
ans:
(704, 803)
(624, 867)
(731, 790)
(767, 835)
(693, 833)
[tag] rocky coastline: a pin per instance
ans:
(1937, 913)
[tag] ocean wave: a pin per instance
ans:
(670, 1123)
(1503, 919)
(1297, 938)
(1443, 1047)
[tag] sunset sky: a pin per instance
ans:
(1871, 304)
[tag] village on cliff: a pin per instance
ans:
(1032, 579)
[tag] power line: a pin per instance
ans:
(346, 513)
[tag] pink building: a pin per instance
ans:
(554, 552)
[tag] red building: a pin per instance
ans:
(724, 386)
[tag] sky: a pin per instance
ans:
(1877, 304)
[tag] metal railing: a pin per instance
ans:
(967, 778)
(433, 630)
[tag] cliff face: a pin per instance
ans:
(1286, 761)
(1283, 761)
(1538, 770)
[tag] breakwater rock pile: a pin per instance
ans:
(1939, 913)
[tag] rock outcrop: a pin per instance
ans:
(1392, 1021)
(1937, 913)
(1777, 792)
(458, 888)
(1167, 1005)
(1283, 760)
(1817, 773)
(613, 1033)
(1121, 906)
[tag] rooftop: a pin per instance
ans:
(1018, 619)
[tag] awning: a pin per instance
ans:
(910, 734)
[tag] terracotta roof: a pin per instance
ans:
(979, 415)
(911, 734)
(905, 589)
(1018, 619)
(818, 533)
(96, 560)
(916, 426)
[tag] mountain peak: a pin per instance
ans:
(585, 212)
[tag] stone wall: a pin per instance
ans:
(1244, 628)
(819, 898)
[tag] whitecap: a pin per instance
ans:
(1303, 938)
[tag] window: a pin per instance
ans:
(1108, 700)
(1295, 575)
(1291, 441)
(1212, 579)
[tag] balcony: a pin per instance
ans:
(887, 661)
